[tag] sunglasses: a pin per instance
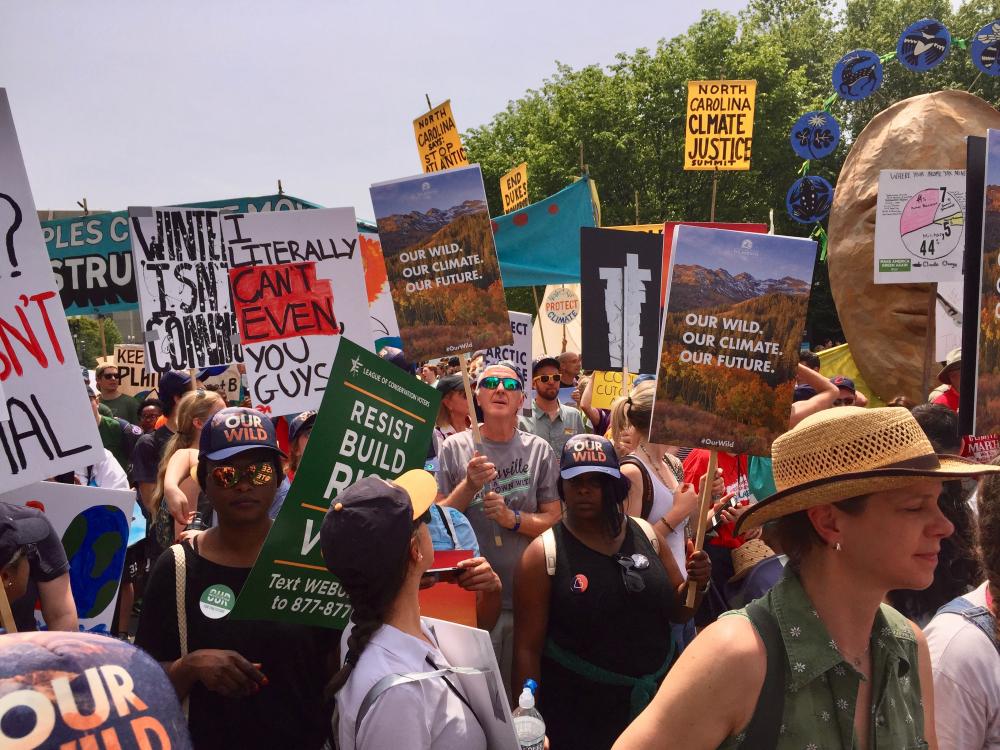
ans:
(228, 477)
(492, 382)
(546, 378)
(110, 375)
(634, 582)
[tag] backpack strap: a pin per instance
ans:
(180, 592)
(981, 617)
(647, 483)
(647, 529)
(549, 548)
(765, 724)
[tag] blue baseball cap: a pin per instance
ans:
(300, 422)
(585, 453)
(842, 381)
(234, 430)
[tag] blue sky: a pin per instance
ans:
(441, 191)
(713, 248)
(140, 103)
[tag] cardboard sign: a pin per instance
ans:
(719, 125)
(608, 387)
(46, 423)
(134, 378)
(736, 303)
(620, 285)
(375, 420)
(987, 412)
(93, 524)
(438, 141)
(557, 325)
(92, 260)
(182, 275)
(442, 264)
(519, 352)
(514, 188)
(298, 289)
(385, 329)
(449, 601)
(919, 226)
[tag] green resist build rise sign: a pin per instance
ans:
(375, 420)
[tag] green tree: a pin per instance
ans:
(86, 333)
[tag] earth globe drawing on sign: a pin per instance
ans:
(95, 543)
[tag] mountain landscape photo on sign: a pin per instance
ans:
(988, 374)
(734, 319)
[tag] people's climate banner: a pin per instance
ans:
(182, 274)
(919, 226)
(298, 289)
(620, 286)
(46, 423)
(442, 263)
(718, 133)
(92, 260)
(93, 525)
(514, 188)
(736, 306)
(987, 412)
(438, 140)
(375, 420)
(385, 329)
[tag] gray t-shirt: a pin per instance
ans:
(527, 476)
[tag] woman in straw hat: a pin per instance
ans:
(820, 661)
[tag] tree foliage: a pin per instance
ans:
(86, 333)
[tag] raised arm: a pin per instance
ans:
(826, 394)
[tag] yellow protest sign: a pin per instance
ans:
(438, 141)
(608, 387)
(718, 132)
(514, 188)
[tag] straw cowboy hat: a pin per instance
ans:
(952, 362)
(747, 555)
(847, 452)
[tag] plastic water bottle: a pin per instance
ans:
(528, 723)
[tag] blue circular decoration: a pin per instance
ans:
(858, 74)
(815, 135)
(809, 199)
(985, 49)
(923, 45)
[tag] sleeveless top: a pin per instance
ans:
(663, 502)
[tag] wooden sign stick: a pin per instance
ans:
(705, 506)
(477, 439)
(6, 616)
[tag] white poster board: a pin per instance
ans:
(46, 423)
(520, 351)
(182, 277)
(919, 226)
(298, 286)
(385, 328)
(93, 524)
(947, 319)
(557, 325)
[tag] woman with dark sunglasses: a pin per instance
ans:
(594, 599)
(251, 684)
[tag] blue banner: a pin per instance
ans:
(540, 244)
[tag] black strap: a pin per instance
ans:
(647, 484)
(765, 725)
(454, 689)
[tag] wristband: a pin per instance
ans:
(517, 520)
(666, 523)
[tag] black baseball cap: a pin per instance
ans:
(173, 383)
(20, 527)
(367, 530)
(234, 430)
(544, 362)
(450, 383)
(303, 421)
(803, 392)
(585, 453)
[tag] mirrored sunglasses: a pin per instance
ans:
(492, 382)
(227, 477)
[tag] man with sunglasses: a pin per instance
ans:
(507, 491)
(108, 382)
(552, 421)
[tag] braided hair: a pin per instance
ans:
(989, 533)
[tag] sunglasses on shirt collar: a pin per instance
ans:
(492, 382)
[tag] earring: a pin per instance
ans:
(836, 546)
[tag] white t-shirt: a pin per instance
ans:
(663, 503)
(966, 681)
(423, 715)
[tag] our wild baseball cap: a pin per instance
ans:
(234, 430)
(585, 453)
(367, 530)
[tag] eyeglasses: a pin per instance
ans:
(228, 477)
(634, 582)
(545, 378)
(492, 382)
(110, 375)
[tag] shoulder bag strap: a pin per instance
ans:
(647, 529)
(549, 548)
(765, 725)
(647, 484)
(449, 524)
(180, 592)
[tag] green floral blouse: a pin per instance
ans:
(822, 688)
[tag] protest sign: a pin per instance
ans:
(93, 524)
(620, 286)
(987, 403)
(182, 275)
(514, 188)
(441, 262)
(385, 329)
(719, 125)
(133, 377)
(557, 325)
(438, 141)
(975, 197)
(733, 322)
(519, 352)
(47, 424)
(947, 319)
(919, 226)
(446, 600)
(375, 420)
(608, 386)
(92, 260)
(298, 288)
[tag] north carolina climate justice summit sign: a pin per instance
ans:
(718, 132)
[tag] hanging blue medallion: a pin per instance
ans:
(815, 135)
(923, 45)
(985, 49)
(809, 199)
(858, 74)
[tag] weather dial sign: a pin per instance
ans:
(815, 135)
(919, 226)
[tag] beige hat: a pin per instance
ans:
(747, 555)
(952, 362)
(847, 452)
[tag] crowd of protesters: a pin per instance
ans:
(807, 629)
